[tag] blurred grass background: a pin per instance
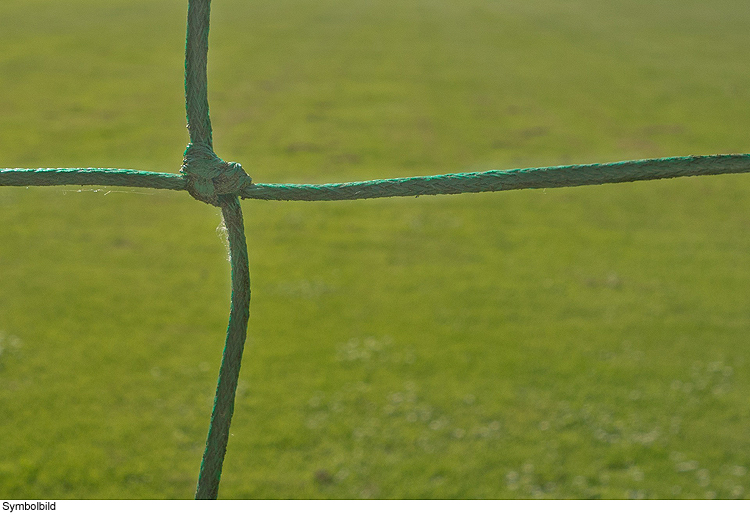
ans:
(570, 343)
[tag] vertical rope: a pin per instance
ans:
(221, 417)
(196, 78)
(214, 172)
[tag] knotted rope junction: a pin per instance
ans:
(210, 179)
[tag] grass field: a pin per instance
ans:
(572, 343)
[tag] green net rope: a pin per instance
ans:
(472, 182)
(210, 179)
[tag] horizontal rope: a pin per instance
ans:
(473, 182)
(503, 180)
(102, 177)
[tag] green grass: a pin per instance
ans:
(569, 343)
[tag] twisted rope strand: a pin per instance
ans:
(221, 417)
(196, 78)
(99, 177)
(537, 178)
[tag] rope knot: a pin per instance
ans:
(208, 176)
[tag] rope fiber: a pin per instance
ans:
(210, 179)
